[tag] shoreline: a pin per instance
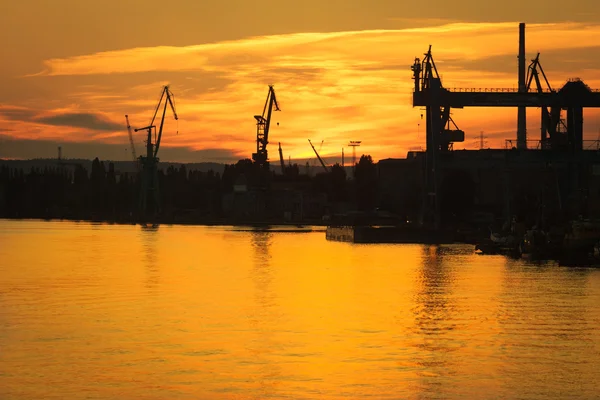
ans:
(223, 223)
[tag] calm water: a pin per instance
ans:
(118, 312)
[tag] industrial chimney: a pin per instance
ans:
(522, 113)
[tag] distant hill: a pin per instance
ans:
(129, 166)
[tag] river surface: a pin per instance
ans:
(92, 311)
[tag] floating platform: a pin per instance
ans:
(389, 234)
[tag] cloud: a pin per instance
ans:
(16, 113)
(81, 120)
(324, 50)
(33, 123)
(556, 62)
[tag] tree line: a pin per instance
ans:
(73, 192)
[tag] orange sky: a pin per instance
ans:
(341, 72)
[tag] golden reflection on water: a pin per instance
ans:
(263, 316)
(182, 312)
(434, 314)
(149, 239)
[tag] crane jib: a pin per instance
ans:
(165, 93)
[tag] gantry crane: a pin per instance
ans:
(553, 127)
(318, 156)
(149, 195)
(263, 124)
(131, 144)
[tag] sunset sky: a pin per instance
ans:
(72, 69)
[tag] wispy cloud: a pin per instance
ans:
(16, 113)
(326, 50)
(80, 120)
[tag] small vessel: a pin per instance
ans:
(581, 236)
(535, 244)
(503, 239)
(510, 236)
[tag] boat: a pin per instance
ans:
(581, 236)
(503, 239)
(536, 243)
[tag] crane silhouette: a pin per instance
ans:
(149, 194)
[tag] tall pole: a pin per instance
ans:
(342, 157)
(522, 113)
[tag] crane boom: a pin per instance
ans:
(131, 144)
(273, 101)
(318, 156)
(263, 124)
(166, 92)
(281, 160)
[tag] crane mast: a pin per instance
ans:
(263, 123)
(318, 156)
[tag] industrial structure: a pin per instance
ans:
(558, 135)
(281, 162)
(263, 124)
(318, 156)
(132, 145)
(354, 144)
(149, 204)
(62, 162)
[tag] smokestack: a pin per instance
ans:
(522, 113)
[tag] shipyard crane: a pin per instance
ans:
(149, 195)
(263, 123)
(318, 156)
(551, 120)
(152, 149)
(281, 160)
(133, 155)
(320, 147)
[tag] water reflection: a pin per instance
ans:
(435, 321)
(264, 316)
(546, 331)
(149, 239)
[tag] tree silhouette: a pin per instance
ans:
(338, 183)
(365, 177)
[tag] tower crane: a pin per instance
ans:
(263, 123)
(149, 195)
(131, 144)
(318, 156)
